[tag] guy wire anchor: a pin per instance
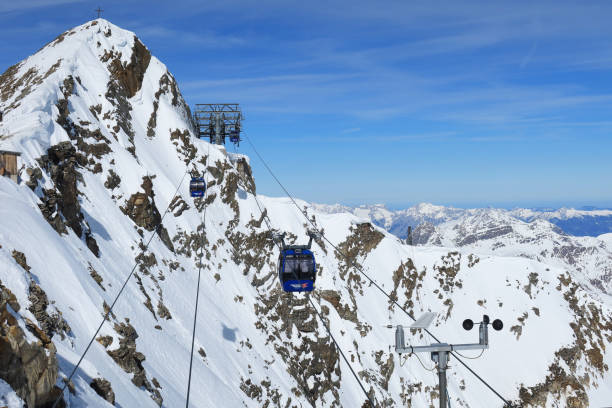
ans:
(440, 352)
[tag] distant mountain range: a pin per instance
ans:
(587, 221)
(575, 240)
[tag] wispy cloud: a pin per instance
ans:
(432, 137)
(207, 39)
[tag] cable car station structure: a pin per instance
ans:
(216, 121)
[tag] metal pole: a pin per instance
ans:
(442, 366)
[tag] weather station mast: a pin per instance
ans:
(440, 352)
(217, 121)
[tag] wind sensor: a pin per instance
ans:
(440, 352)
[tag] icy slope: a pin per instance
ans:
(106, 140)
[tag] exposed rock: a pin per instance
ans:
(17, 87)
(178, 206)
(61, 164)
(21, 260)
(50, 324)
(407, 277)
(112, 181)
(78, 133)
(34, 175)
(130, 76)
(472, 260)
(142, 210)
(344, 311)
(490, 233)
(447, 271)
(314, 362)
(131, 360)
(426, 233)
(117, 94)
(105, 340)
(186, 148)
(29, 368)
(96, 277)
(152, 120)
(575, 367)
(92, 244)
(246, 175)
(103, 388)
(363, 239)
(162, 311)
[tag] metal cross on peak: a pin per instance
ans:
(99, 11)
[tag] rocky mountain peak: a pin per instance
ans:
(107, 144)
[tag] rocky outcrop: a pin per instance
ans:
(80, 133)
(362, 239)
(49, 323)
(185, 148)
(61, 163)
(15, 87)
(426, 233)
(246, 175)
(112, 181)
(410, 281)
(103, 388)
(312, 361)
(29, 368)
(578, 366)
(130, 75)
(60, 206)
(141, 209)
(21, 260)
(489, 233)
(131, 360)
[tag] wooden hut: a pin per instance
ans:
(8, 164)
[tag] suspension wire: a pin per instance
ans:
(269, 224)
(195, 314)
(423, 365)
(110, 309)
(471, 358)
(360, 269)
(342, 353)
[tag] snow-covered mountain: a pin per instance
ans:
(573, 222)
(525, 233)
(106, 142)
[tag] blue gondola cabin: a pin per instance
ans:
(197, 187)
(297, 270)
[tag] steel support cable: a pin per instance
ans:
(110, 309)
(269, 224)
(342, 353)
(358, 267)
(195, 315)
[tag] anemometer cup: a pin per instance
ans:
(468, 324)
(498, 324)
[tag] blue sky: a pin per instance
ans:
(469, 103)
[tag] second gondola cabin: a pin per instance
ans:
(297, 269)
(197, 187)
